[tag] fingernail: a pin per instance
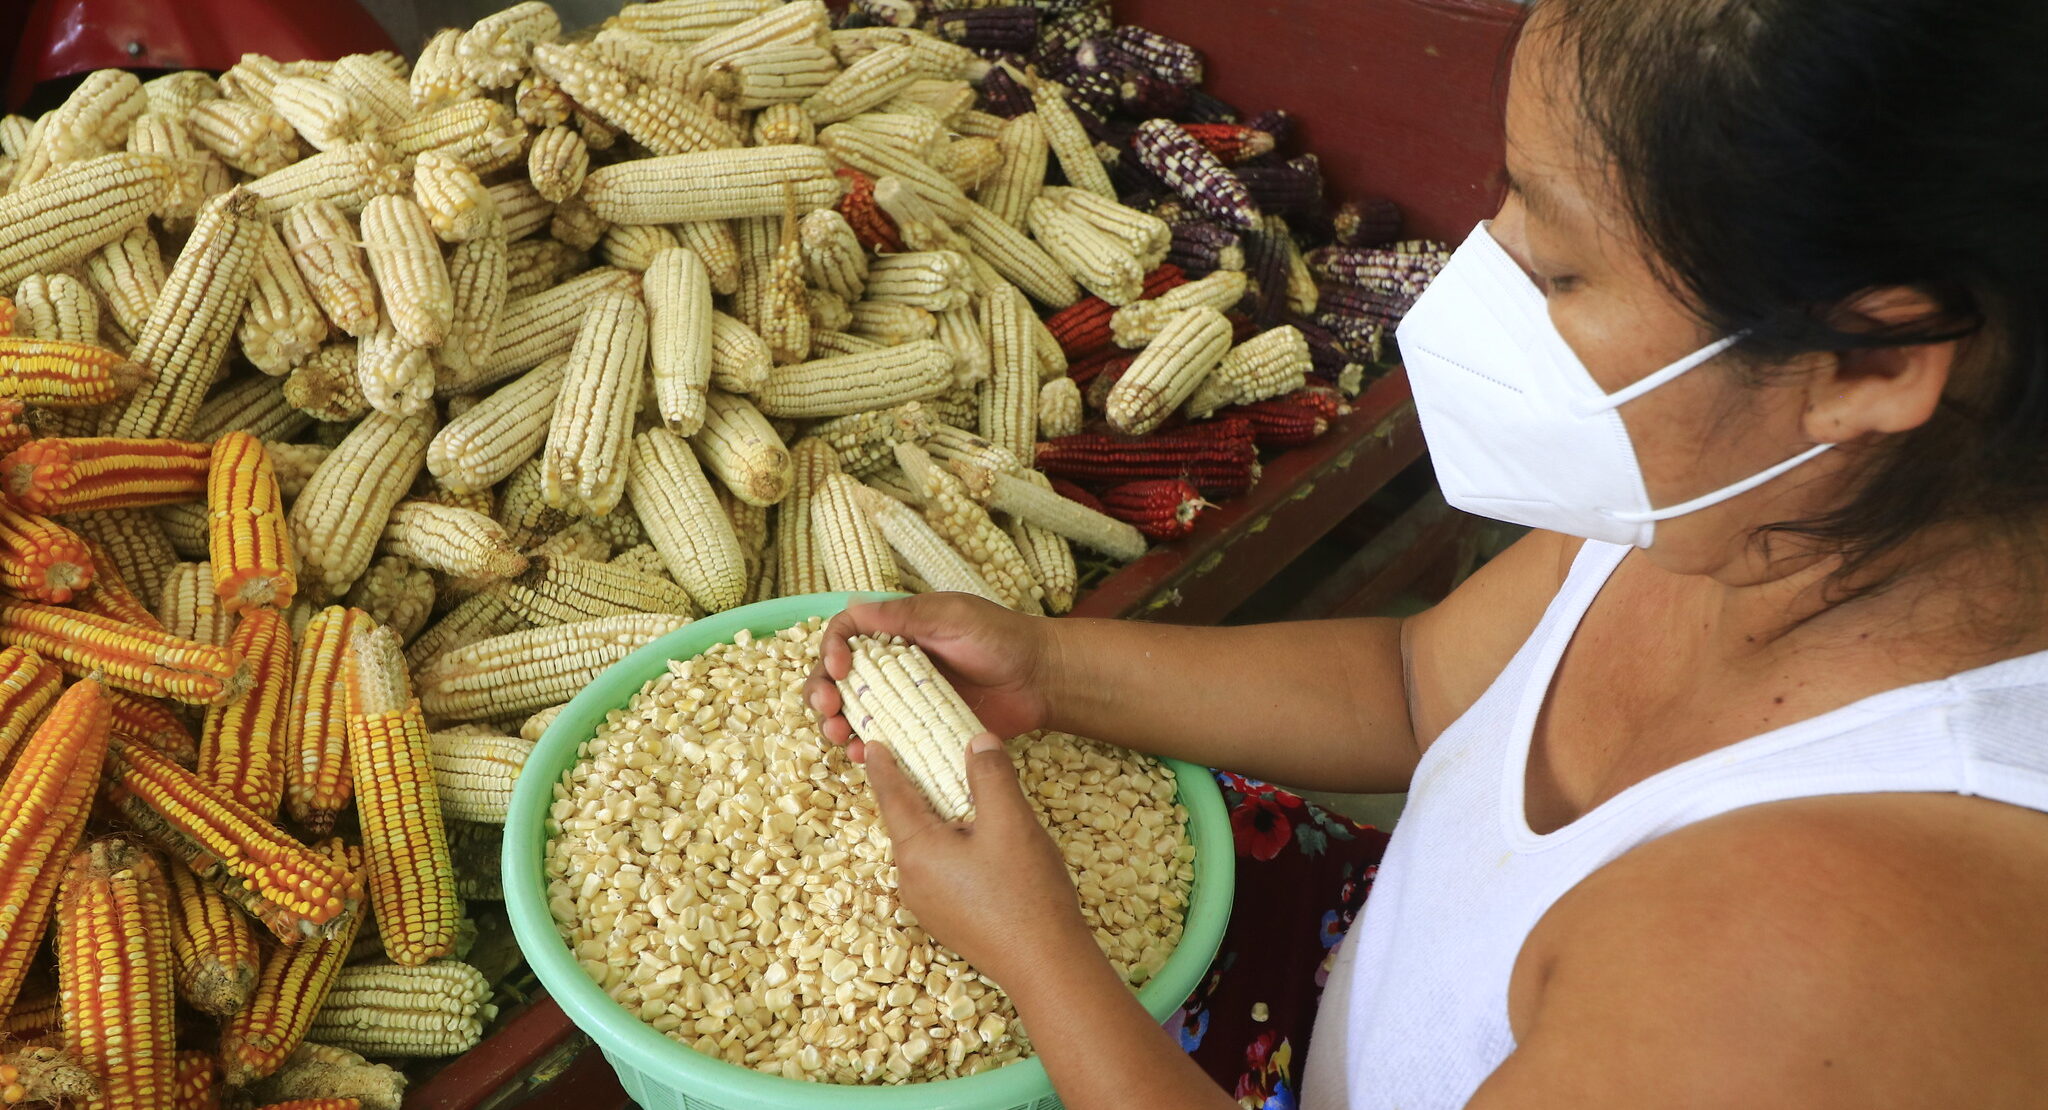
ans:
(986, 742)
(818, 700)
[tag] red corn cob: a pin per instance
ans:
(151, 723)
(1082, 328)
(1280, 422)
(1072, 492)
(1219, 457)
(1325, 400)
(41, 559)
(104, 472)
(872, 226)
(1112, 361)
(1162, 508)
(1232, 143)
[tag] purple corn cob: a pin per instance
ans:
(989, 28)
(1062, 8)
(1172, 61)
(1201, 248)
(1099, 91)
(1376, 267)
(886, 13)
(1197, 175)
(1278, 122)
(1145, 95)
(1265, 262)
(1381, 306)
(1203, 108)
(1291, 188)
(1429, 247)
(1099, 55)
(1364, 336)
(1061, 35)
(1328, 357)
(1002, 94)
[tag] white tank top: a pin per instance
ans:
(1415, 1013)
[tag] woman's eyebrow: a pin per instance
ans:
(1536, 199)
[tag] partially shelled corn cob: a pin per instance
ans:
(260, 1036)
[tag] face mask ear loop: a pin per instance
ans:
(1623, 396)
(1708, 500)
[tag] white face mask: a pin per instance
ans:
(1517, 428)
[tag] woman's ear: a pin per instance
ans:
(1878, 390)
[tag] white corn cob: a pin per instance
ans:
(557, 163)
(740, 447)
(412, 278)
(1009, 400)
(250, 79)
(323, 245)
(803, 21)
(575, 224)
(740, 359)
(522, 671)
(936, 281)
(485, 444)
(324, 114)
(919, 550)
(165, 137)
(523, 209)
(679, 317)
(948, 100)
(828, 313)
(849, 544)
(633, 246)
(1165, 373)
(881, 156)
(295, 464)
(457, 542)
(716, 248)
(583, 466)
(478, 278)
(380, 1010)
(283, 324)
(979, 124)
(338, 518)
(497, 49)
(176, 94)
(349, 175)
(675, 502)
(1037, 503)
(91, 121)
(251, 404)
(128, 274)
(561, 589)
(56, 306)
(378, 92)
(396, 594)
(780, 124)
(77, 209)
(717, 185)
(396, 377)
(828, 342)
(1059, 408)
(1048, 554)
(781, 76)
(770, 298)
(931, 56)
(538, 327)
(833, 256)
(896, 697)
(891, 325)
(326, 385)
(1101, 263)
(254, 140)
(535, 264)
(1016, 183)
(954, 514)
(474, 774)
(847, 384)
(1138, 323)
(1146, 236)
(456, 203)
(688, 22)
(799, 568)
(969, 162)
(1266, 365)
(1069, 141)
(867, 83)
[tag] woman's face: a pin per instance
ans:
(1563, 220)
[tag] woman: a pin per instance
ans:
(1725, 784)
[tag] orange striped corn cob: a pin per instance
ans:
(150, 722)
(27, 687)
(43, 806)
(247, 536)
(109, 595)
(242, 747)
(45, 1073)
(114, 964)
(213, 944)
(137, 659)
(61, 374)
(257, 1039)
(412, 882)
(14, 426)
(37, 1013)
(40, 558)
(317, 786)
(197, 1082)
(291, 889)
(102, 472)
(6, 316)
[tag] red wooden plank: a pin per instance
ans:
(1240, 545)
(1397, 97)
(504, 1058)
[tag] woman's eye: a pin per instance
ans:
(1563, 283)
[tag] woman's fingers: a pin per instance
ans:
(992, 780)
(905, 813)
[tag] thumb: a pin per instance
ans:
(904, 810)
(992, 778)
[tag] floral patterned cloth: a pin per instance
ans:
(1302, 876)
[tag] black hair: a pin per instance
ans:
(1779, 157)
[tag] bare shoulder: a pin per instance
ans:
(1456, 649)
(1875, 950)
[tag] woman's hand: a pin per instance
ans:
(994, 889)
(995, 658)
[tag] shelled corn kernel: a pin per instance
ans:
(825, 955)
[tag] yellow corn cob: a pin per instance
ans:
(336, 521)
(254, 140)
(175, 94)
(242, 749)
(1266, 365)
(846, 384)
(260, 1036)
(478, 273)
(738, 445)
(44, 802)
(316, 1071)
(439, 78)
(1100, 262)
(716, 185)
(27, 687)
(412, 278)
(196, 1085)
(895, 696)
(557, 163)
(56, 306)
(562, 590)
(584, 463)
(575, 225)
(283, 325)
(394, 374)
(247, 538)
(523, 210)
(539, 327)
(674, 501)
(114, 963)
(396, 594)
(486, 443)
(1168, 371)
(523, 671)
(967, 526)
(783, 124)
(456, 203)
(850, 546)
(412, 885)
(498, 48)
(317, 784)
(91, 474)
(128, 274)
(92, 120)
(323, 113)
(378, 93)
(633, 246)
(680, 329)
(481, 134)
(325, 386)
(476, 618)
(1037, 504)
(190, 610)
(474, 774)
(454, 541)
(188, 329)
(213, 946)
(108, 595)
(150, 722)
(435, 1010)
(1059, 408)
(919, 551)
(323, 245)
(77, 209)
